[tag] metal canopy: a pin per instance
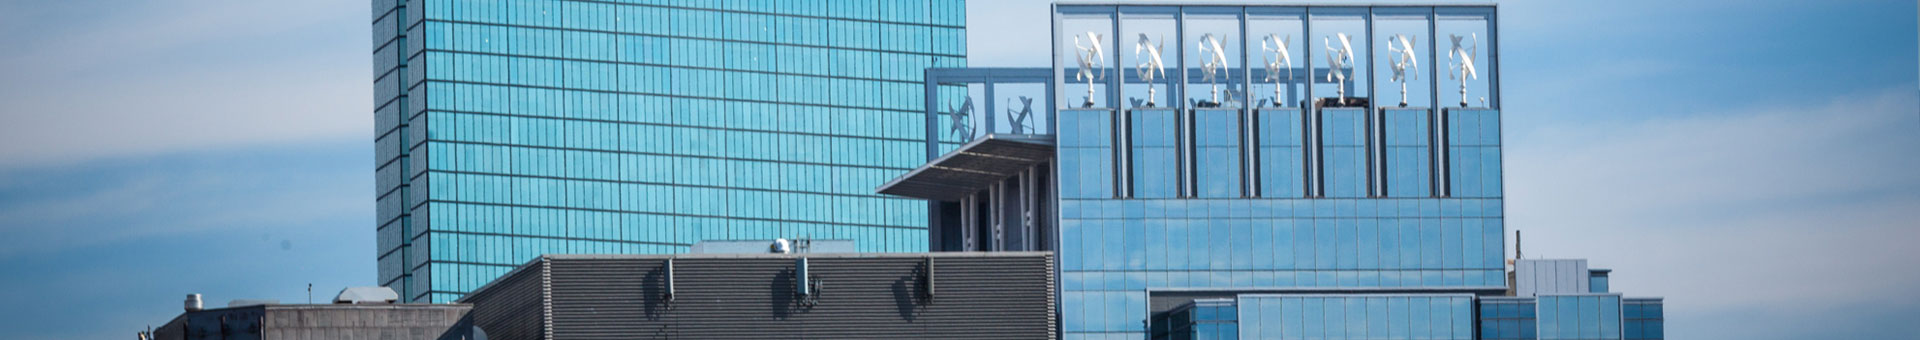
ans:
(972, 167)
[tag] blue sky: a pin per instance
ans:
(1750, 161)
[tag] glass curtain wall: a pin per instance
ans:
(535, 127)
(1374, 316)
(1283, 235)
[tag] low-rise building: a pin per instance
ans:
(372, 320)
(1004, 295)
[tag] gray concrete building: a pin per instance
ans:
(1004, 295)
(317, 322)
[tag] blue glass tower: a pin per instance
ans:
(1310, 207)
(512, 128)
(1309, 172)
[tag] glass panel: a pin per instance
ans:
(1217, 162)
(1281, 165)
(1473, 153)
(1610, 317)
(1343, 135)
(1280, 79)
(1086, 156)
(1405, 56)
(1420, 317)
(1589, 317)
(1151, 60)
(1022, 108)
(1472, 28)
(1341, 43)
(1085, 44)
(1549, 312)
(1408, 154)
(1154, 161)
(1568, 321)
(1213, 42)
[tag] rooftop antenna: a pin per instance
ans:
(309, 293)
(669, 296)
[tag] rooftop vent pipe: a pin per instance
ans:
(193, 302)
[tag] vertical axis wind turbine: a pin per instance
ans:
(1462, 63)
(1216, 62)
(1281, 58)
(1339, 59)
(1403, 58)
(1092, 57)
(1152, 67)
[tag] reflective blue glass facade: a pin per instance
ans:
(512, 128)
(1643, 319)
(1281, 208)
(1372, 316)
(1321, 212)
(1579, 317)
(1215, 319)
(1508, 319)
(1115, 249)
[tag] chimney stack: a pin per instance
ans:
(1516, 244)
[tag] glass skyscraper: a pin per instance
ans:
(1294, 172)
(512, 128)
(1301, 201)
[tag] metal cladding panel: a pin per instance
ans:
(512, 307)
(1542, 277)
(741, 297)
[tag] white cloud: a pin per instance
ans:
(139, 79)
(1777, 208)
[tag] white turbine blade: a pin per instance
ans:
(1334, 67)
(1346, 44)
(1407, 45)
(1476, 47)
(1414, 56)
(1472, 53)
(1286, 55)
(1470, 71)
(1203, 43)
(1219, 53)
(1330, 50)
(1097, 44)
(1272, 63)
